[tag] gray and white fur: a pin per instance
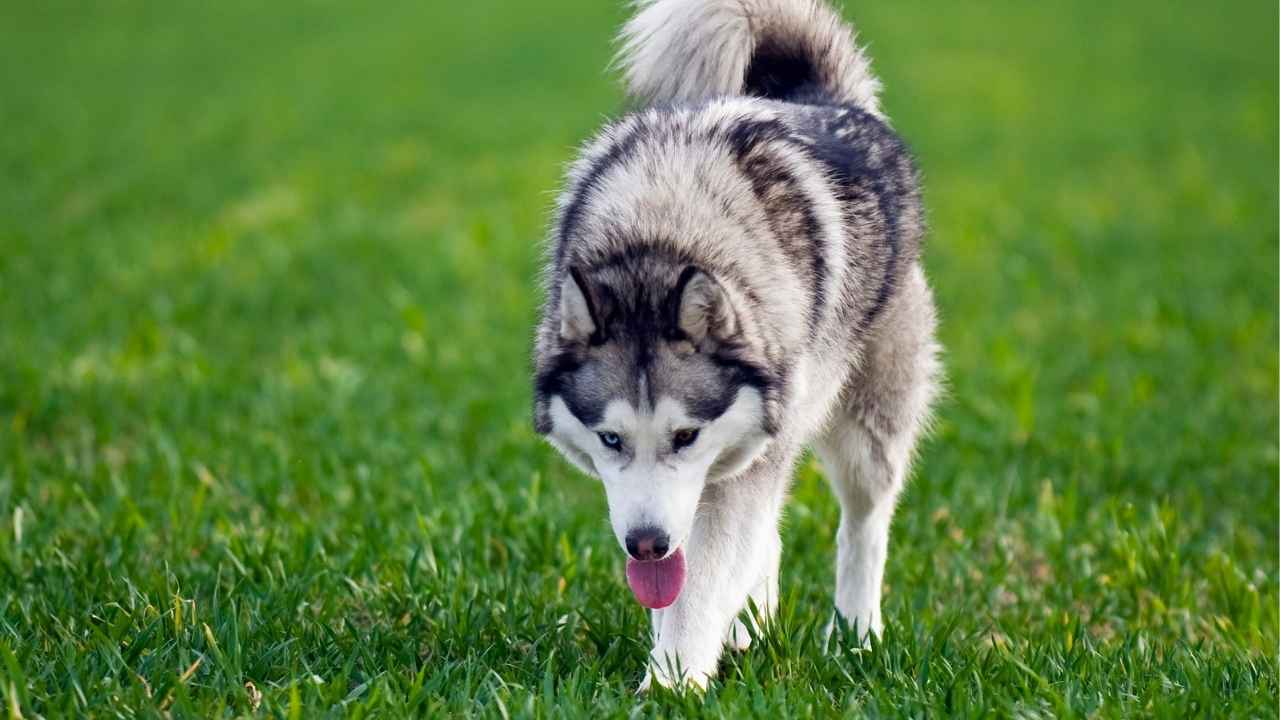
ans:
(739, 259)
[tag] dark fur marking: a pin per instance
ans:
(778, 72)
(628, 255)
(766, 174)
(619, 151)
(747, 373)
(555, 380)
(743, 137)
(849, 160)
(633, 254)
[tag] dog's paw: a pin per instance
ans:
(840, 634)
(685, 680)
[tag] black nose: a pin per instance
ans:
(648, 543)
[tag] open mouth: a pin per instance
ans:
(657, 583)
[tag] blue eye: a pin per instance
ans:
(610, 440)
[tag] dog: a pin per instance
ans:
(733, 276)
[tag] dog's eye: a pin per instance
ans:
(684, 438)
(610, 440)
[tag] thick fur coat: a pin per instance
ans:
(734, 275)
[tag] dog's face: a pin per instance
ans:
(652, 390)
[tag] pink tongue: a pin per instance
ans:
(657, 584)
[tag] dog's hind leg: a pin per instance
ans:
(866, 451)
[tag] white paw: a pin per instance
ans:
(840, 631)
(667, 677)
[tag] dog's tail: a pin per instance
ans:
(690, 50)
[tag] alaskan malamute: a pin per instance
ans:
(734, 275)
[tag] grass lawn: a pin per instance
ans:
(267, 284)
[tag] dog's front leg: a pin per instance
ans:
(733, 546)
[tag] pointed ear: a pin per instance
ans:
(578, 318)
(702, 308)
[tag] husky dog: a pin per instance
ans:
(734, 275)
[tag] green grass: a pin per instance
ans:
(267, 282)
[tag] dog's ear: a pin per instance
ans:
(702, 308)
(579, 320)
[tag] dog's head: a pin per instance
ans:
(648, 378)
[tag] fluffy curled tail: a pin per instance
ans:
(690, 50)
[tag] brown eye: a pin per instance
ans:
(684, 438)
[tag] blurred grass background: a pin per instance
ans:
(267, 283)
